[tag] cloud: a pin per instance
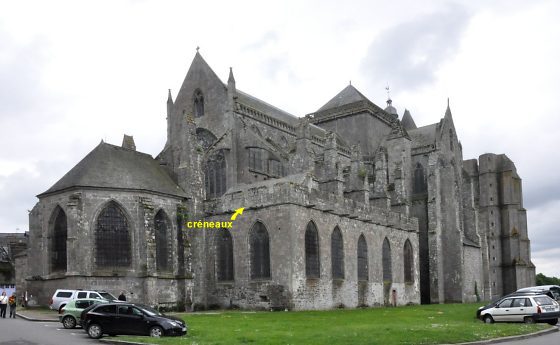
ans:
(408, 55)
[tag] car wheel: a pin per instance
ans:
(95, 331)
(69, 322)
(528, 319)
(552, 322)
(488, 319)
(156, 332)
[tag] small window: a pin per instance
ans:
(82, 295)
(94, 295)
(274, 167)
(82, 304)
(506, 303)
(255, 159)
(518, 303)
(528, 302)
(64, 294)
(106, 309)
(198, 103)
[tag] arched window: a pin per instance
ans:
(198, 101)
(224, 255)
(215, 175)
(162, 228)
(337, 254)
(419, 179)
(387, 263)
(60, 235)
(112, 239)
(205, 138)
(312, 268)
(362, 259)
(260, 252)
(408, 263)
(450, 139)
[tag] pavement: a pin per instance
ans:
(37, 314)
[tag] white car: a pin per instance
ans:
(523, 308)
(61, 297)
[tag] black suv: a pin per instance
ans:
(129, 319)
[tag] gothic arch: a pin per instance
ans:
(259, 247)
(162, 227)
(362, 259)
(337, 254)
(408, 258)
(312, 259)
(112, 237)
(215, 175)
(387, 262)
(224, 255)
(58, 240)
(205, 138)
(419, 179)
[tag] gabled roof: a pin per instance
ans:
(347, 96)
(110, 166)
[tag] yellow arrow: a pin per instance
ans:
(238, 211)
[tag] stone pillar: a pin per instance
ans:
(333, 181)
(379, 197)
(75, 260)
(358, 182)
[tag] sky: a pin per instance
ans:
(74, 72)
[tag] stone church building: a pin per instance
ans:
(347, 206)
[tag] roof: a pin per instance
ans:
(110, 166)
(423, 136)
(407, 121)
(348, 95)
(266, 108)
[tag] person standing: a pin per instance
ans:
(12, 302)
(3, 304)
(122, 297)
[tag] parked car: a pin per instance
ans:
(528, 308)
(70, 313)
(498, 300)
(130, 319)
(552, 291)
(62, 296)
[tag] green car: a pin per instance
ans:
(71, 312)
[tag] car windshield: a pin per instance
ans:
(150, 311)
(107, 296)
(544, 300)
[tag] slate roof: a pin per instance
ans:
(407, 121)
(110, 166)
(266, 108)
(423, 136)
(348, 95)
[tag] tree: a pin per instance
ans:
(544, 280)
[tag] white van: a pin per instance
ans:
(62, 296)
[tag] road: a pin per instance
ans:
(548, 339)
(21, 332)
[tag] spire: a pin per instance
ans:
(448, 110)
(407, 121)
(231, 79)
(390, 109)
(169, 97)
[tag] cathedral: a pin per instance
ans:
(348, 206)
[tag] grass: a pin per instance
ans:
(426, 324)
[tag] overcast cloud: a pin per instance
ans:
(73, 73)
